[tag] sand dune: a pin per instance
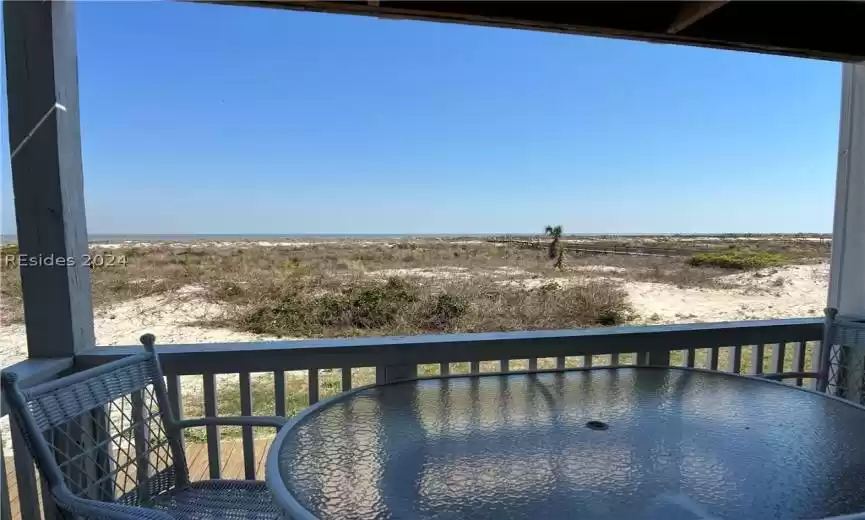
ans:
(790, 292)
(793, 291)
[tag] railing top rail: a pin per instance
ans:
(395, 350)
(35, 371)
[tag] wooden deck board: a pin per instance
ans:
(198, 460)
(232, 462)
(14, 506)
(262, 446)
(12, 484)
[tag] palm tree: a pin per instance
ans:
(555, 232)
(559, 263)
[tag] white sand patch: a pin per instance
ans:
(13, 344)
(535, 283)
(168, 316)
(799, 277)
(510, 271)
(282, 244)
(122, 245)
(438, 273)
(800, 293)
(598, 269)
(580, 274)
(190, 289)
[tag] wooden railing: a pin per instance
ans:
(247, 378)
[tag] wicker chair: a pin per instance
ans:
(842, 362)
(108, 446)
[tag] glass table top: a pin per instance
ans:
(602, 443)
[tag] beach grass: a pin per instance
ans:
(335, 288)
(739, 259)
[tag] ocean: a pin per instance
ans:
(272, 237)
(215, 237)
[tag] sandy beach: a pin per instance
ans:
(179, 315)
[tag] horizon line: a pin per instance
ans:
(6, 236)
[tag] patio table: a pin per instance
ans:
(629, 442)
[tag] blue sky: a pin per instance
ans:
(218, 119)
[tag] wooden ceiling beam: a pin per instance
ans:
(691, 13)
(682, 28)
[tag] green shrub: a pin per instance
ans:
(378, 305)
(446, 310)
(284, 317)
(225, 290)
(612, 316)
(597, 304)
(358, 307)
(738, 259)
(549, 286)
(400, 306)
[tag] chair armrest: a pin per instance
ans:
(94, 509)
(258, 420)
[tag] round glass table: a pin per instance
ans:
(628, 442)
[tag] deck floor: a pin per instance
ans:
(199, 465)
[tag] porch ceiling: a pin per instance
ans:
(821, 29)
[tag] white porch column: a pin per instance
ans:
(47, 178)
(847, 283)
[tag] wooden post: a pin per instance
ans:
(847, 281)
(391, 373)
(659, 358)
(47, 177)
